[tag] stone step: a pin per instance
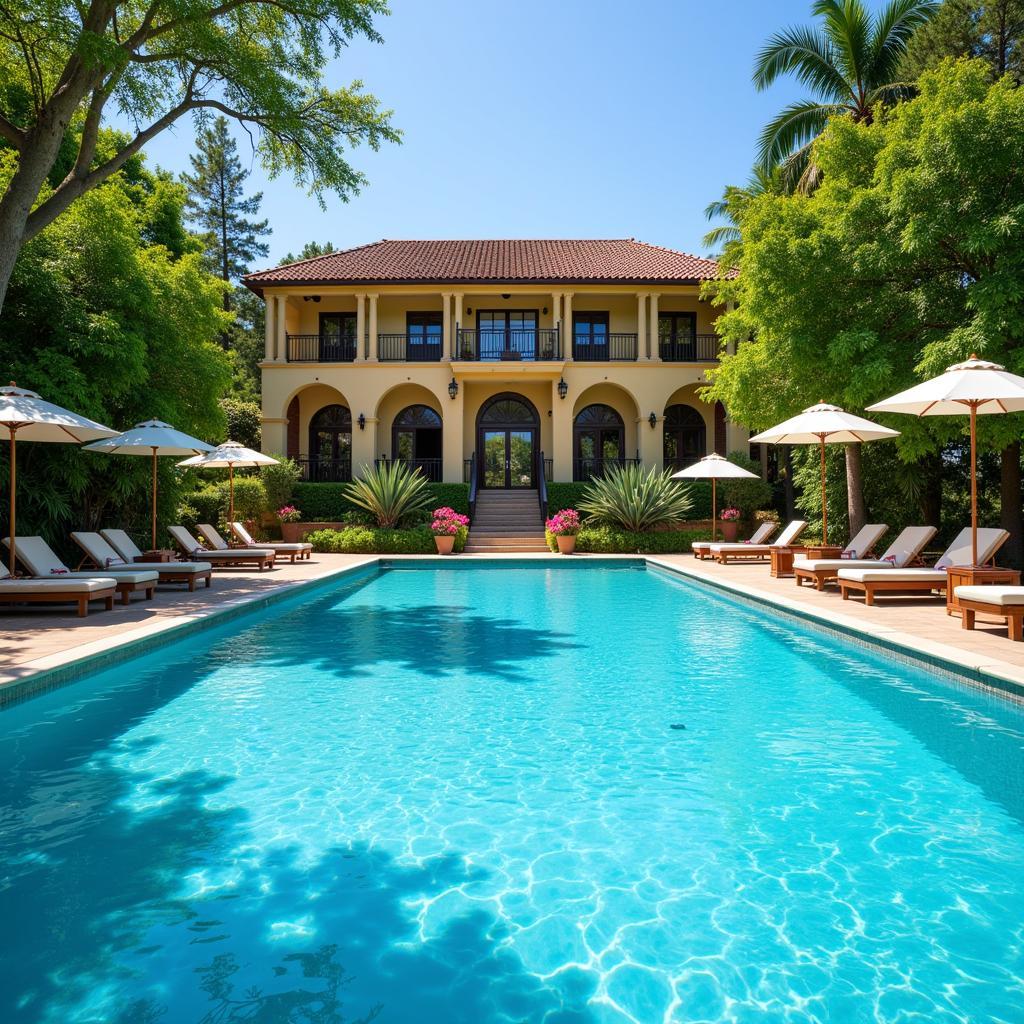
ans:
(510, 540)
(491, 517)
(507, 531)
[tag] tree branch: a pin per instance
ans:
(14, 135)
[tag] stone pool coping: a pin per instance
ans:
(58, 668)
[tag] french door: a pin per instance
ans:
(503, 332)
(508, 458)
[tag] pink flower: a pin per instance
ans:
(447, 522)
(565, 523)
(727, 515)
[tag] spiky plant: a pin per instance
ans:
(389, 492)
(636, 499)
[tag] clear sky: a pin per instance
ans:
(525, 118)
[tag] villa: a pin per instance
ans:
(491, 357)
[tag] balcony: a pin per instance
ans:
(409, 348)
(606, 348)
(319, 348)
(325, 471)
(697, 348)
(527, 345)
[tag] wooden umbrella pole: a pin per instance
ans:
(10, 518)
(714, 509)
(824, 505)
(153, 544)
(231, 490)
(974, 484)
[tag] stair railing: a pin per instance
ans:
(472, 485)
(542, 490)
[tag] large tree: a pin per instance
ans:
(851, 64)
(261, 62)
(217, 204)
(907, 258)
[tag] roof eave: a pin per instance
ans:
(321, 282)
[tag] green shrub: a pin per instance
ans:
(203, 506)
(187, 515)
(608, 540)
(636, 499)
(250, 497)
(372, 540)
(455, 496)
(391, 492)
(244, 421)
(279, 482)
(326, 503)
(746, 495)
(566, 495)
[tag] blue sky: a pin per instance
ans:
(565, 118)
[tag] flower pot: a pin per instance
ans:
(292, 533)
(729, 530)
(566, 544)
(444, 544)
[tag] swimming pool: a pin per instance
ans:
(502, 795)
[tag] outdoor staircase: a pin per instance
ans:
(506, 521)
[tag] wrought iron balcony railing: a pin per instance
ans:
(527, 344)
(698, 348)
(319, 348)
(607, 348)
(325, 471)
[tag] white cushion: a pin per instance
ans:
(183, 567)
(121, 575)
(61, 586)
(894, 575)
(1002, 597)
(837, 563)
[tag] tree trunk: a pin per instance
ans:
(787, 463)
(1011, 517)
(854, 489)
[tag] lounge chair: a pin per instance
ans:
(903, 551)
(216, 543)
(300, 549)
(37, 556)
(758, 552)
(31, 590)
(104, 556)
(221, 559)
(1002, 602)
(702, 548)
(910, 582)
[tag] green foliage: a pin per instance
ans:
(454, 496)
(244, 422)
(218, 206)
(566, 495)
(205, 506)
(250, 497)
(279, 482)
(609, 540)
(746, 495)
(327, 503)
(636, 499)
(390, 492)
(245, 343)
(308, 252)
(110, 325)
(851, 63)
(368, 540)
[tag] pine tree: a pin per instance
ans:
(218, 206)
(309, 251)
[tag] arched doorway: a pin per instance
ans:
(685, 437)
(599, 441)
(508, 433)
(416, 440)
(330, 444)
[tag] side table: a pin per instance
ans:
(782, 559)
(975, 576)
(157, 555)
(822, 551)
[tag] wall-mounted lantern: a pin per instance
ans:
(453, 388)
(361, 421)
(653, 420)
(563, 388)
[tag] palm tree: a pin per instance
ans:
(851, 64)
(730, 207)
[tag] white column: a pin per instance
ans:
(360, 328)
(282, 330)
(457, 320)
(641, 327)
(373, 328)
(446, 325)
(556, 314)
(452, 439)
(268, 329)
(567, 328)
(652, 333)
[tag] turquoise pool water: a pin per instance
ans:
(477, 795)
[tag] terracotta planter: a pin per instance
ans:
(294, 533)
(566, 544)
(444, 544)
(729, 530)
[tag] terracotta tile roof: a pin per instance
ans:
(572, 261)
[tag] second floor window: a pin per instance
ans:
(423, 335)
(677, 336)
(590, 335)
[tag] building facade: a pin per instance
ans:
(503, 359)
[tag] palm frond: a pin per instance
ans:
(804, 53)
(724, 234)
(390, 492)
(794, 127)
(848, 30)
(718, 208)
(892, 29)
(793, 169)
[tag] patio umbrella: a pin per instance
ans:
(153, 438)
(227, 456)
(972, 387)
(28, 418)
(713, 467)
(823, 424)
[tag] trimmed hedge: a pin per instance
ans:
(370, 540)
(607, 540)
(326, 503)
(568, 495)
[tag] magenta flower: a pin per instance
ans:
(565, 523)
(447, 522)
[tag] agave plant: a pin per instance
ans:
(636, 499)
(389, 492)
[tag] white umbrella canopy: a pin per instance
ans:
(27, 417)
(971, 388)
(823, 424)
(152, 438)
(227, 456)
(714, 467)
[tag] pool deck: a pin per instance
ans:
(36, 640)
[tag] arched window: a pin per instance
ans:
(416, 440)
(508, 429)
(599, 441)
(685, 437)
(508, 410)
(330, 444)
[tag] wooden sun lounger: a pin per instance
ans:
(102, 555)
(904, 551)
(32, 590)
(220, 559)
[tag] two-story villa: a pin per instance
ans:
(503, 358)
